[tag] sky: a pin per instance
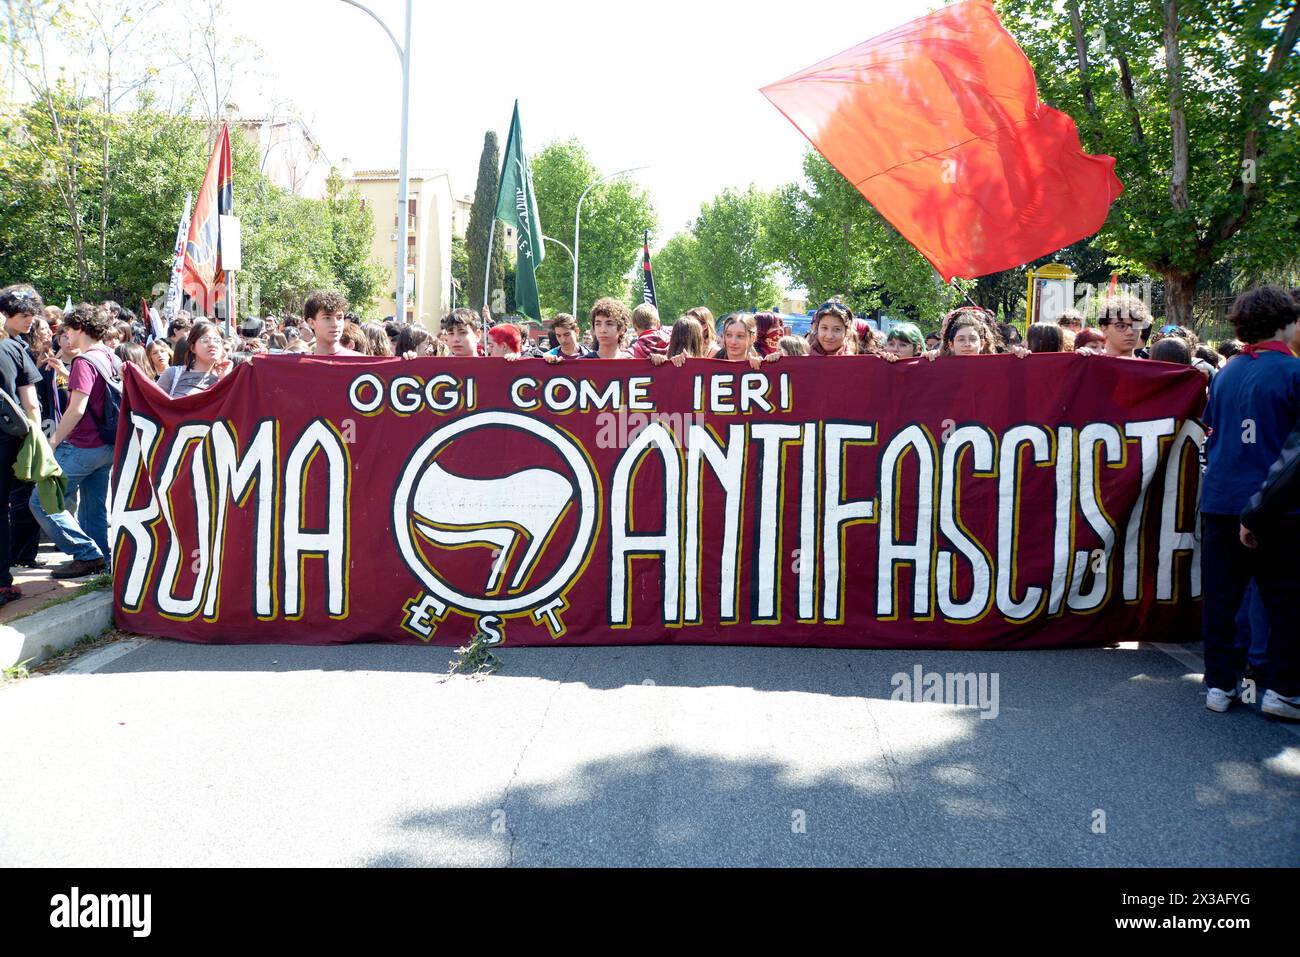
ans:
(672, 85)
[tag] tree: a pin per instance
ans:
(1196, 101)
(481, 217)
(737, 268)
(679, 278)
(830, 240)
(351, 225)
(90, 192)
(614, 216)
(290, 244)
(123, 242)
(459, 269)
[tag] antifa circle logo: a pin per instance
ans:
(202, 250)
(516, 516)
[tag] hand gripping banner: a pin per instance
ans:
(984, 502)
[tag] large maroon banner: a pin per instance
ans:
(984, 502)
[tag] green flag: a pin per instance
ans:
(517, 206)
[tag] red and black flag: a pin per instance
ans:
(648, 291)
(202, 276)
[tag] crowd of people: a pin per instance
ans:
(60, 371)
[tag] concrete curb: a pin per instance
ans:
(50, 631)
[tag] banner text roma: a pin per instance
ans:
(986, 502)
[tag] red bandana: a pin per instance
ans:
(1253, 349)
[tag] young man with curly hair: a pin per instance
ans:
(609, 322)
(1122, 319)
(1254, 405)
(78, 448)
(326, 316)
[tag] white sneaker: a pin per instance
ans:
(1216, 699)
(1280, 707)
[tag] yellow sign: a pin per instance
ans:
(1051, 292)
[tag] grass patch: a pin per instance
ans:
(476, 658)
(16, 672)
(84, 644)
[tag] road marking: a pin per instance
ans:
(1193, 661)
(89, 664)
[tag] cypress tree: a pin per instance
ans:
(480, 225)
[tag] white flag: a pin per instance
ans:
(173, 304)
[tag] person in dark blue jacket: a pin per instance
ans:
(1253, 408)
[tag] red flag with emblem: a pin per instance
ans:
(201, 275)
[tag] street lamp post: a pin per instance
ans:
(577, 226)
(552, 239)
(403, 220)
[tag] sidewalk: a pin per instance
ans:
(52, 615)
(39, 589)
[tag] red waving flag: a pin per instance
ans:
(938, 124)
(201, 275)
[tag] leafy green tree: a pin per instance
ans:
(159, 158)
(679, 278)
(736, 267)
(50, 179)
(90, 192)
(352, 227)
(614, 216)
(481, 216)
(829, 240)
(1196, 100)
(51, 170)
(460, 268)
(290, 244)
(286, 248)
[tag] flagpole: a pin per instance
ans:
(487, 268)
(647, 271)
(230, 300)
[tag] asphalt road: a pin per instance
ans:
(156, 753)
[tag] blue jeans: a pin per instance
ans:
(85, 537)
(1252, 625)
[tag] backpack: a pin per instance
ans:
(107, 426)
(13, 420)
